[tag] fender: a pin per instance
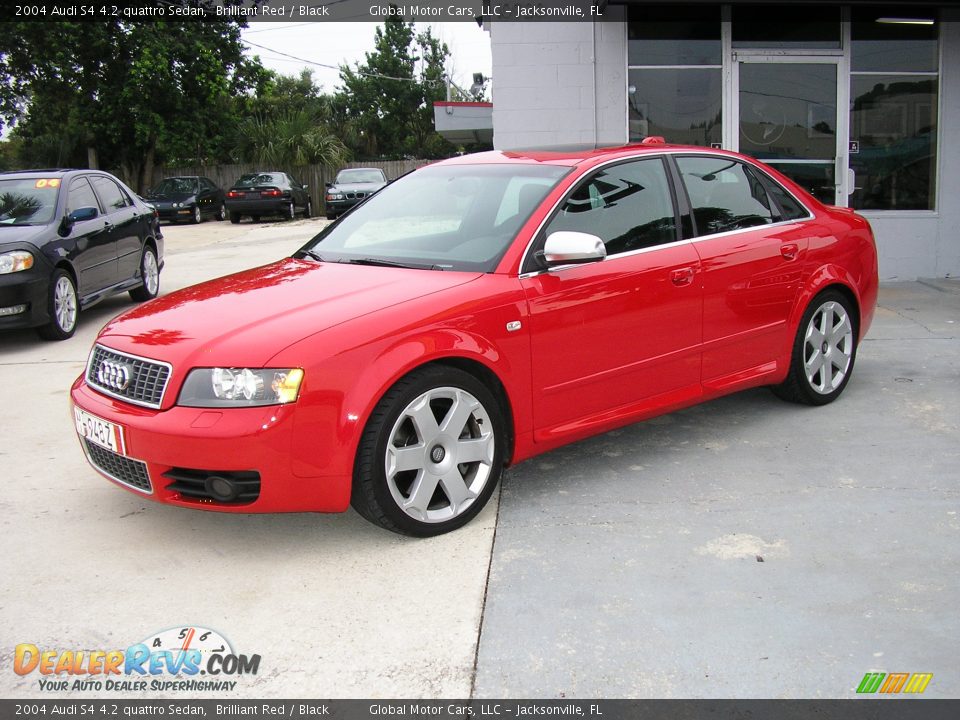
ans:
(331, 420)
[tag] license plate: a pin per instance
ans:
(100, 432)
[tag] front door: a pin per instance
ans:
(786, 115)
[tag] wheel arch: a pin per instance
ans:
(829, 277)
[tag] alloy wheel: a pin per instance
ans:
(440, 454)
(828, 347)
(65, 304)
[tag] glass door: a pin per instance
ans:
(785, 112)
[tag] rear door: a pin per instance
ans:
(616, 335)
(752, 251)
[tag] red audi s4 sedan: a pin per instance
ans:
(469, 316)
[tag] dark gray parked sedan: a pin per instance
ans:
(267, 193)
(352, 186)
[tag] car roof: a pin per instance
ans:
(573, 155)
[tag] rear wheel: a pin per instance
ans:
(308, 210)
(431, 454)
(291, 213)
(63, 307)
(235, 217)
(255, 218)
(824, 352)
(222, 212)
(150, 272)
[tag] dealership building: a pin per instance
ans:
(859, 103)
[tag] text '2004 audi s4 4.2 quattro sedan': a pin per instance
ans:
(472, 314)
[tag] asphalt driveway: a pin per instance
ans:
(743, 548)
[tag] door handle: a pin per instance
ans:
(789, 251)
(681, 276)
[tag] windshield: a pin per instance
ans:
(254, 179)
(28, 201)
(455, 217)
(176, 186)
(360, 175)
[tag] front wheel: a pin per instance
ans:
(222, 212)
(824, 352)
(63, 307)
(150, 273)
(308, 210)
(197, 216)
(431, 454)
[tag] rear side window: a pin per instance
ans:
(629, 206)
(81, 196)
(790, 209)
(724, 195)
(110, 193)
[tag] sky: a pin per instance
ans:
(331, 44)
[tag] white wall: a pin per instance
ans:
(559, 83)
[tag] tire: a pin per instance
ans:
(197, 215)
(291, 213)
(235, 218)
(222, 213)
(255, 218)
(824, 351)
(63, 307)
(408, 477)
(331, 216)
(308, 210)
(150, 272)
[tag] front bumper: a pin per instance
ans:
(28, 287)
(231, 441)
(172, 214)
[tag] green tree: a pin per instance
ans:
(124, 95)
(290, 139)
(385, 105)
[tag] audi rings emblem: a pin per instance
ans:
(113, 375)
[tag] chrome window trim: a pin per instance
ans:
(104, 391)
(658, 154)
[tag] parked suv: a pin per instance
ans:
(68, 239)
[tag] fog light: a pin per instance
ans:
(220, 488)
(12, 310)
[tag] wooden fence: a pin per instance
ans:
(315, 177)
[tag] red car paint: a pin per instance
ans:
(717, 315)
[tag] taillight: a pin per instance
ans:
(234, 194)
(271, 193)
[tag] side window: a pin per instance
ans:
(81, 196)
(790, 208)
(110, 193)
(724, 194)
(207, 184)
(628, 206)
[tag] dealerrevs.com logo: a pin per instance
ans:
(182, 659)
(894, 683)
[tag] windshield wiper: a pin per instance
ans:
(389, 263)
(311, 254)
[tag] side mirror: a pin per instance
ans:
(305, 186)
(329, 184)
(78, 215)
(81, 214)
(566, 247)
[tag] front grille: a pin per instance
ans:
(122, 469)
(356, 195)
(128, 377)
(192, 485)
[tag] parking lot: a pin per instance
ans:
(742, 548)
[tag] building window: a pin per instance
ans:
(807, 27)
(675, 74)
(894, 97)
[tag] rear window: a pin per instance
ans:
(257, 179)
(28, 201)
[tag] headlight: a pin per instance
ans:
(335, 196)
(240, 387)
(15, 261)
(176, 205)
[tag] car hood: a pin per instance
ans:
(357, 187)
(36, 235)
(247, 318)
